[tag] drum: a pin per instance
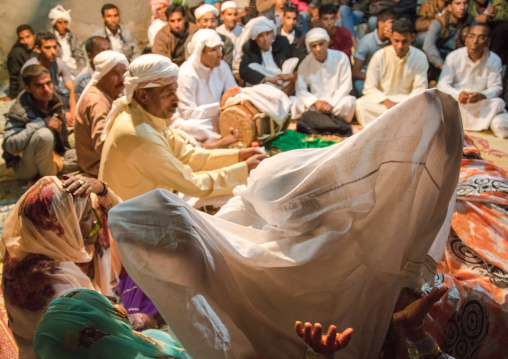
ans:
(251, 124)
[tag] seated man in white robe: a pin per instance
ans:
(142, 153)
(472, 75)
(268, 57)
(205, 82)
(395, 73)
(324, 83)
(207, 17)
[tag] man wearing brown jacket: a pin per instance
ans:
(172, 39)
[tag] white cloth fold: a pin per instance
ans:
(325, 235)
(58, 12)
(146, 71)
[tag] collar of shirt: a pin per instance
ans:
(482, 60)
(378, 40)
(109, 33)
(400, 60)
(156, 122)
(59, 37)
(289, 35)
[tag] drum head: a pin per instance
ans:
(238, 118)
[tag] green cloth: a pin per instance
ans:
(84, 324)
(501, 5)
(292, 140)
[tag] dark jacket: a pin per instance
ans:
(281, 51)
(299, 41)
(17, 57)
(23, 119)
(76, 51)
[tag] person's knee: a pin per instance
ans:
(43, 138)
(499, 125)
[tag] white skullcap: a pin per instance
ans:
(146, 71)
(104, 62)
(314, 35)
(203, 9)
(227, 5)
(200, 39)
(58, 12)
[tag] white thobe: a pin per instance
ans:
(154, 29)
(390, 77)
(460, 73)
(200, 90)
(329, 81)
(66, 51)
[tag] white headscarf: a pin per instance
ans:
(255, 27)
(154, 5)
(202, 38)
(203, 9)
(314, 35)
(146, 71)
(103, 62)
(227, 5)
(58, 12)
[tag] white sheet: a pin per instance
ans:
(322, 235)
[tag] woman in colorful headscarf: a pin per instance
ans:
(56, 239)
(84, 324)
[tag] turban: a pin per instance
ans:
(104, 62)
(227, 5)
(314, 35)
(203, 9)
(58, 12)
(202, 38)
(154, 5)
(255, 27)
(146, 71)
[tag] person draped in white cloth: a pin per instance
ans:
(205, 82)
(324, 78)
(395, 73)
(472, 75)
(330, 235)
(141, 152)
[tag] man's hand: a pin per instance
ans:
(464, 97)
(323, 106)
(389, 104)
(245, 153)
(232, 92)
(287, 78)
(323, 344)
(69, 116)
(492, 12)
(411, 318)
(81, 186)
(55, 124)
(475, 97)
(253, 161)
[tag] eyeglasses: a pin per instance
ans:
(479, 37)
(96, 227)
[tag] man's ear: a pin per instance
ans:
(103, 19)
(37, 49)
(141, 96)
(413, 37)
(27, 88)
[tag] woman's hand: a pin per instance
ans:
(81, 186)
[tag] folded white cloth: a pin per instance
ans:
(325, 235)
